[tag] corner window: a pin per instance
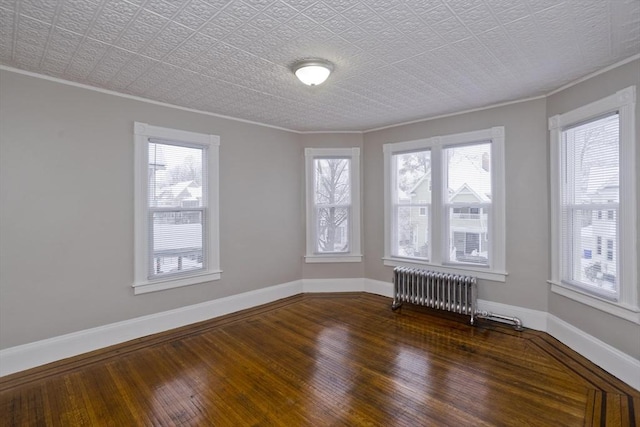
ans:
(176, 224)
(444, 201)
(333, 205)
(593, 153)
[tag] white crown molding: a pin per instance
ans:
(38, 353)
(458, 113)
(325, 132)
(141, 99)
(594, 74)
(361, 132)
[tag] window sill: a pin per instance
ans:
(494, 276)
(313, 259)
(617, 309)
(170, 283)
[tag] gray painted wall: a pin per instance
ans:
(621, 334)
(526, 196)
(66, 223)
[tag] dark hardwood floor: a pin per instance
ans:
(325, 360)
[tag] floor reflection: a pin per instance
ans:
(332, 369)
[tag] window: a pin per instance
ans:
(333, 205)
(592, 167)
(444, 201)
(610, 213)
(609, 250)
(423, 210)
(176, 212)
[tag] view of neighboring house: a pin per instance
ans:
(469, 186)
(186, 194)
(599, 246)
(419, 217)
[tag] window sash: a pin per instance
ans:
(336, 206)
(413, 234)
(347, 233)
(153, 255)
(470, 225)
(153, 261)
(575, 269)
(346, 246)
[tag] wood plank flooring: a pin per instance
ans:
(325, 360)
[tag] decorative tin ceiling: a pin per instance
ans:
(395, 61)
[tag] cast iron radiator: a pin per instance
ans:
(449, 292)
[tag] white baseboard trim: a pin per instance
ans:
(533, 319)
(378, 287)
(332, 285)
(38, 353)
(612, 360)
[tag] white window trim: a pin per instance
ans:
(627, 306)
(142, 284)
(355, 253)
(496, 271)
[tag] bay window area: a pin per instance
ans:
(444, 201)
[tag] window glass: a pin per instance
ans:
(412, 200)
(591, 170)
(468, 195)
(175, 185)
(333, 209)
(332, 197)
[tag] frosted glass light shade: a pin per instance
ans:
(312, 72)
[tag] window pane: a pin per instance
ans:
(175, 176)
(468, 235)
(332, 181)
(332, 228)
(468, 173)
(412, 197)
(591, 177)
(177, 241)
(593, 162)
(591, 253)
(411, 233)
(413, 177)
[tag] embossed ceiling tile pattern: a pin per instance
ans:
(394, 61)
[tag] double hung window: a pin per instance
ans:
(593, 204)
(176, 208)
(444, 199)
(333, 205)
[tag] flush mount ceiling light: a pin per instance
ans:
(312, 72)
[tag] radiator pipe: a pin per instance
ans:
(517, 323)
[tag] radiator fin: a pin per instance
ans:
(448, 292)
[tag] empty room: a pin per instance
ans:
(319, 212)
